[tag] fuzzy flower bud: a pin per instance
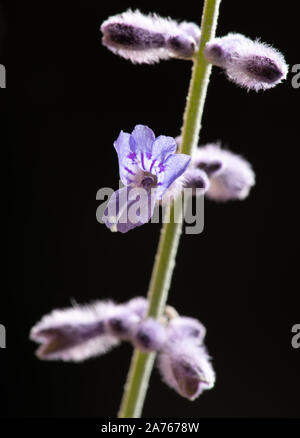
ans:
(186, 367)
(149, 38)
(150, 335)
(250, 64)
(230, 175)
(74, 334)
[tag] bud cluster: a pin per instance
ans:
(80, 332)
(220, 174)
(150, 38)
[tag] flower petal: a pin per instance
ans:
(142, 139)
(172, 168)
(74, 334)
(128, 164)
(163, 147)
(128, 208)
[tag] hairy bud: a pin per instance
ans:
(186, 367)
(230, 175)
(74, 334)
(149, 38)
(251, 64)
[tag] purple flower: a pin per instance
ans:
(250, 64)
(149, 38)
(186, 367)
(147, 167)
(230, 175)
(74, 334)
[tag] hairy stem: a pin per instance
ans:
(142, 363)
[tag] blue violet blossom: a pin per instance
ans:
(147, 167)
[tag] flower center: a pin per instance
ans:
(148, 181)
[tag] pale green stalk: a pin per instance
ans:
(142, 363)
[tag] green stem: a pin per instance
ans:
(142, 363)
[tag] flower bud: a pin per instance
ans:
(230, 175)
(250, 64)
(149, 336)
(186, 367)
(149, 38)
(74, 334)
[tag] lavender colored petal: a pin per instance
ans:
(174, 166)
(142, 139)
(163, 147)
(119, 213)
(128, 164)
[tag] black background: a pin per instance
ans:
(67, 99)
